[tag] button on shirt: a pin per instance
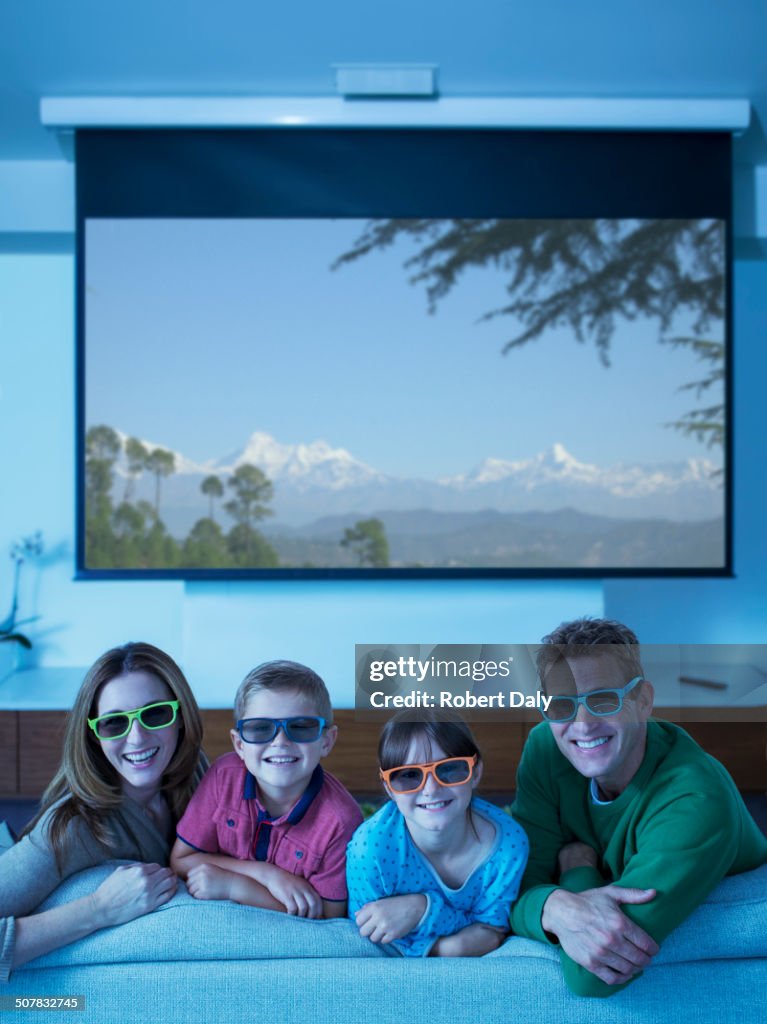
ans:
(226, 816)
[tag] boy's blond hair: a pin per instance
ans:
(284, 675)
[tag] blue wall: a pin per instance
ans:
(504, 47)
(219, 630)
(726, 610)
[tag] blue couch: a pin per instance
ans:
(194, 962)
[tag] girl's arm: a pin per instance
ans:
(129, 892)
(498, 886)
(390, 918)
(473, 940)
(413, 921)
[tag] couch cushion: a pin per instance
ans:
(732, 923)
(190, 929)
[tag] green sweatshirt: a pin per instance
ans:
(679, 827)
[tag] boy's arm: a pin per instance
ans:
(333, 908)
(277, 888)
(207, 881)
(250, 893)
(184, 857)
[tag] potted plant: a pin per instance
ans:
(21, 550)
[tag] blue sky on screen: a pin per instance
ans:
(201, 332)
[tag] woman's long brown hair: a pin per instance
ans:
(87, 781)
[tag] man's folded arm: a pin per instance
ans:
(683, 851)
(535, 809)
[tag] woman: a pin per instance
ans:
(131, 761)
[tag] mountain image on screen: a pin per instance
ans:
(388, 394)
(275, 504)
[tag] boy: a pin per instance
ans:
(267, 826)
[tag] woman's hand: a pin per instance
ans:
(390, 918)
(133, 890)
(130, 891)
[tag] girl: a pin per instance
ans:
(131, 761)
(434, 872)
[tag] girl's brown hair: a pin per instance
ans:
(443, 729)
(87, 781)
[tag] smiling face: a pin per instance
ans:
(142, 756)
(609, 749)
(435, 807)
(281, 767)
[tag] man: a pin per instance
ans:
(631, 824)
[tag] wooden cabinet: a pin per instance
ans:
(31, 743)
(41, 738)
(9, 747)
(353, 759)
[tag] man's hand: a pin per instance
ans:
(298, 896)
(577, 855)
(474, 940)
(594, 932)
(391, 917)
(208, 882)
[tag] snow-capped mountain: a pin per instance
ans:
(555, 463)
(316, 479)
(306, 465)
(556, 466)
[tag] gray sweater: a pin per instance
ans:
(29, 872)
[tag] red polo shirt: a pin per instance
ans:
(226, 816)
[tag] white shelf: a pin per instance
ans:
(69, 112)
(55, 689)
(40, 689)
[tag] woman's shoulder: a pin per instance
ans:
(32, 867)
(123, 831)
(71, 825)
